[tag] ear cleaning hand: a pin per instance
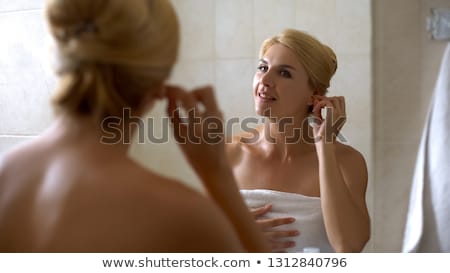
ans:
(327, 127)
(198, 128)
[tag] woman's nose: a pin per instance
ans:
(267, 79)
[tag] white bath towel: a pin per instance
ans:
(428, 222)
(306, 210)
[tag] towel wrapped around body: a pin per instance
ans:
(305, 209)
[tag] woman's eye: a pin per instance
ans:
(262, 68)
(285, 73)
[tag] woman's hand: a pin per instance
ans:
(200, 131)
(200, 136)
(327, 128)
(271, 235)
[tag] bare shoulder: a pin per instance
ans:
(347, 153)
(353, 166)
(18, 152)
(24, 155)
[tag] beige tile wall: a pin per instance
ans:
(25, 82)
(406, 65)
(219, 46)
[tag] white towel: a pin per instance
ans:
(306, 210)
(428, 222)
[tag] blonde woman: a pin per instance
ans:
(69, 191)
(291, 171)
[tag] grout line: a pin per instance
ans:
(7, 12)
(214, 45)
(17, 136)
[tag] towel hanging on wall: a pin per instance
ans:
(428, 221)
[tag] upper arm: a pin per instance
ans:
(354, 171)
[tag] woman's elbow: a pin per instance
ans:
(353, 245)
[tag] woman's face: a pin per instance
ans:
(281, 84)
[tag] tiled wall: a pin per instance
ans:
(219, 46)
(25, 82)
(406, 67)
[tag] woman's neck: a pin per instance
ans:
(287, 137)
(84, 130)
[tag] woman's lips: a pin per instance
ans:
(265, 97)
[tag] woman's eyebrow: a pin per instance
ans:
(281, 65)
(263, 61)
(287, 66)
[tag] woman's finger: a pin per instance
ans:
(274, 222)
(260, 211)
(281, 246)
(184, 99)
(317, 109)
(205, 95)
(342, 104)
(275, 234)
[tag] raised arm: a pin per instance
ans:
(201, 139)
(343, 181)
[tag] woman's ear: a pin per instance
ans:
(310, 104)
(157, 92)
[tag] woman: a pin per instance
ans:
(296, 165)
(73, 190)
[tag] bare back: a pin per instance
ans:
(57, 196)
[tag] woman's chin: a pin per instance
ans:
(263, 112)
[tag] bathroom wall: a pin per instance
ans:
(406, 66)
(219, 46)
(25, 80)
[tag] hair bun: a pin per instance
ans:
(117, 49)
(331, 56)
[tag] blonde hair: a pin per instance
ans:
(111, 52)
(318, 59)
